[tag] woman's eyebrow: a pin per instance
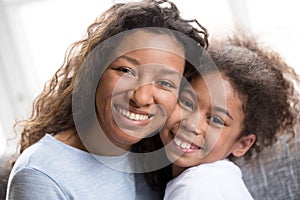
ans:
(132, 60)
(162, 70)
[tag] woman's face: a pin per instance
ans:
(139, 88)
(206, 125)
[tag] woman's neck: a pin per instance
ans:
(71, 138)
(93, 140)
(98, 143)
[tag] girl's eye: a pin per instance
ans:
(166, 84)
(186, 104)
(126, 70)
(217, 121)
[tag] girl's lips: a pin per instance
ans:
(185, 145)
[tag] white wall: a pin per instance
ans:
(34, 35)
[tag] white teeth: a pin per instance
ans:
(182, 144)
(132, 116)
(177, 141)
(188, 146)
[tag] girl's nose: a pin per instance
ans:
(195, 125)
(143, 95)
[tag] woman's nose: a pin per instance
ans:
(143, 95)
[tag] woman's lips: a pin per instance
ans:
(131, 118)
(136, 115)
(132, 115)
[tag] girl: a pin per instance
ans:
(235, 108)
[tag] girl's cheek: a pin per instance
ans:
(174, 119)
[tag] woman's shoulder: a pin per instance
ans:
(48, 154)
(34, 154)
(74, 172)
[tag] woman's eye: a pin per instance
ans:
(217, 121)
(126, 70)
(166, 84)
(187, 104)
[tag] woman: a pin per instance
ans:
(115, 87)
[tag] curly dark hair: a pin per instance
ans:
(266, 85)
(52, 109)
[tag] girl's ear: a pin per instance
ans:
(242, 145)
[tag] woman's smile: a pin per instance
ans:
(139, 88)
(131, 116)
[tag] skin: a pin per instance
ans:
(135, 94)
(206, 127)
(139, 89)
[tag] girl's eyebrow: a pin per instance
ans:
(220, 109)
(191, 92)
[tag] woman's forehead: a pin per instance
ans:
(142, 39)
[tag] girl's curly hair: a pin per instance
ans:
(266, 85)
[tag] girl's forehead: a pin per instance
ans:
(215, 86)
(213, 92)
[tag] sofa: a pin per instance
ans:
(4, 173)
(275, 174)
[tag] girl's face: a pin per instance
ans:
(139, 88)
(206, 125)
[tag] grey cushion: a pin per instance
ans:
(275, 174)
(5, 167)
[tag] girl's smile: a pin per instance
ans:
(206, 123)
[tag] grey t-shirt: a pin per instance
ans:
(51, 169)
